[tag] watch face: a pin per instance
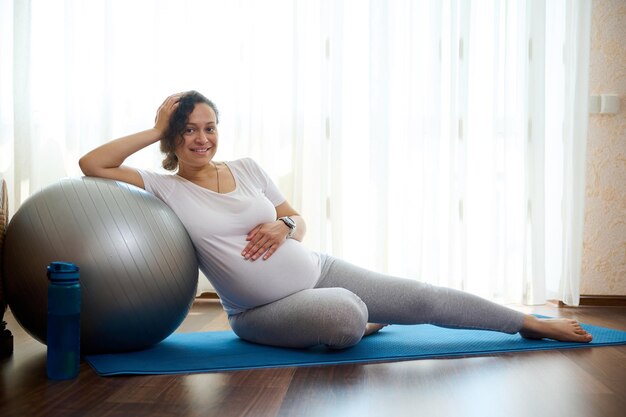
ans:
(289, 222)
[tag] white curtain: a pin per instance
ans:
(437, 140)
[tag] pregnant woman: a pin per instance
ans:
(248, 243)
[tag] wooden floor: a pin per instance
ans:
(581, 382)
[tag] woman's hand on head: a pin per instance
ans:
(165, 111)
(264, 240)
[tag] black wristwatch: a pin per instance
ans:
(291, 224)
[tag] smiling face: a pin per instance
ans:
(199, 138)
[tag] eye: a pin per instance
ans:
(210, 130)
(189, 131)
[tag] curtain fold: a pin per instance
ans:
(437, 140)
(575, 104)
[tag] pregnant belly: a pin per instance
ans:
(244, 284)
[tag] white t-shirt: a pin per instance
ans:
(218, 225)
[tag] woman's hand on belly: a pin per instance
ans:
(264, 240)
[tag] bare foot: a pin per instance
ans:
(372, 328)
(563, 330)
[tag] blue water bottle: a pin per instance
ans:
(63, 337)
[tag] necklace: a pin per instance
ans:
(217, 172)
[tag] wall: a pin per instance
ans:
(604, 242)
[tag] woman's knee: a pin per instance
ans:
(345, 318)
(335, 317)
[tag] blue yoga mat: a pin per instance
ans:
(224, 351)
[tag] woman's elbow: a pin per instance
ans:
(84, 166)
(87, 166)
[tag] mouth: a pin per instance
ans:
(200, 150)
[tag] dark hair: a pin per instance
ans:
(178, 122)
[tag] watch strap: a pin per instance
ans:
(290, 223)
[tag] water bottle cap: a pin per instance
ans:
(63, 271)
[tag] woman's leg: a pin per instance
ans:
(404, 301)
(330, 316)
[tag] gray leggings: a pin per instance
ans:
(347, 297)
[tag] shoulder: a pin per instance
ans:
(255, 175)
(157, 176)
(248, 166)
(158, 183)
(245, 163)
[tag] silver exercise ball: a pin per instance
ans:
(138, 268)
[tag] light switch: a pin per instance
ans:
(609, 104)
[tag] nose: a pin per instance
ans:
(201, 137)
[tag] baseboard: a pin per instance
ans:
(600, 301)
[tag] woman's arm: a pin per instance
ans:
(106, 161)
(284, 210)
